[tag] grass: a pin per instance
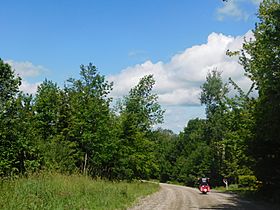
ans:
(235, 188)
(269, 201)
(244, 192)
(175, 183)
(56, 191)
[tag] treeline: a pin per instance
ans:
(75, 129)
(240, 138)
(216, 147)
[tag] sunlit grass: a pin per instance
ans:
(56, 191)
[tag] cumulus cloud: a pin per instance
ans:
(25, 70)
(30, 88)
(178, 81)
(256, 2)
(176, 117)
(235, 9)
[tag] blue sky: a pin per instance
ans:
(176, 40)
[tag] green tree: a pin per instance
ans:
(261, 61)
(91, 125)
(213, 96)
(9, 87)
(52, 121)
(193, 153)
(47, 109)
(213, 92)
(139, 111)
(26, 154)
(228, 128)
(9, 84)
(18, 153)
(165, 141)
(239, 120)
(141, 105)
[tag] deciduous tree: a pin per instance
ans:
(261, 60)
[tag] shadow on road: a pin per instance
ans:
(234, 202)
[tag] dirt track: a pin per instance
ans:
(173, 197)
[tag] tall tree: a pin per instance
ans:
(26, 154)
(9, 83)
(139, 111)
(213, 92)
(91, 125)
(193, 153)
(239, 120)
(213, 97)
(261, 60)
(165, 153)
(18, 153)
(52, 127)
(9, 86)
(47, 106)
(141, 104)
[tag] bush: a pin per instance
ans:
(247, 181)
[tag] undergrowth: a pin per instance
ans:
(57, 191)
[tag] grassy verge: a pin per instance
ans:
(231, 188)
(245, 192)
(266, 200)
(56, 191)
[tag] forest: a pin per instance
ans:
(78, 129)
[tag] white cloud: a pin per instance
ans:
(233, 9)
(178, 81)
(256, 2)
(236, 9)
(176, 117)
(180, 96)
(26, 69)
(30, 88)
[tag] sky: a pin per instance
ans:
(178, 41)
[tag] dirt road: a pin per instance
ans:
(173, 197)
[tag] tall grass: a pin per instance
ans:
(56, 191)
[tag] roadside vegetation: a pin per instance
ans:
(77, 129)
(56, 191)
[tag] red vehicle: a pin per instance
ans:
(204, 186)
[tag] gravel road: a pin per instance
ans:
(173, 197)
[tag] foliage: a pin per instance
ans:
(192, 159)
(9, 84)
(141, 105)
(165, 153)
(90, 126)
(229, 127)
(74, 129)
(247, 181)
(213, 93)
(261, 61)
(139, 111)
(51, 122)
(18, 153)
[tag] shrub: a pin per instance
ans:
(247, 181)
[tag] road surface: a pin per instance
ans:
(173, 197)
